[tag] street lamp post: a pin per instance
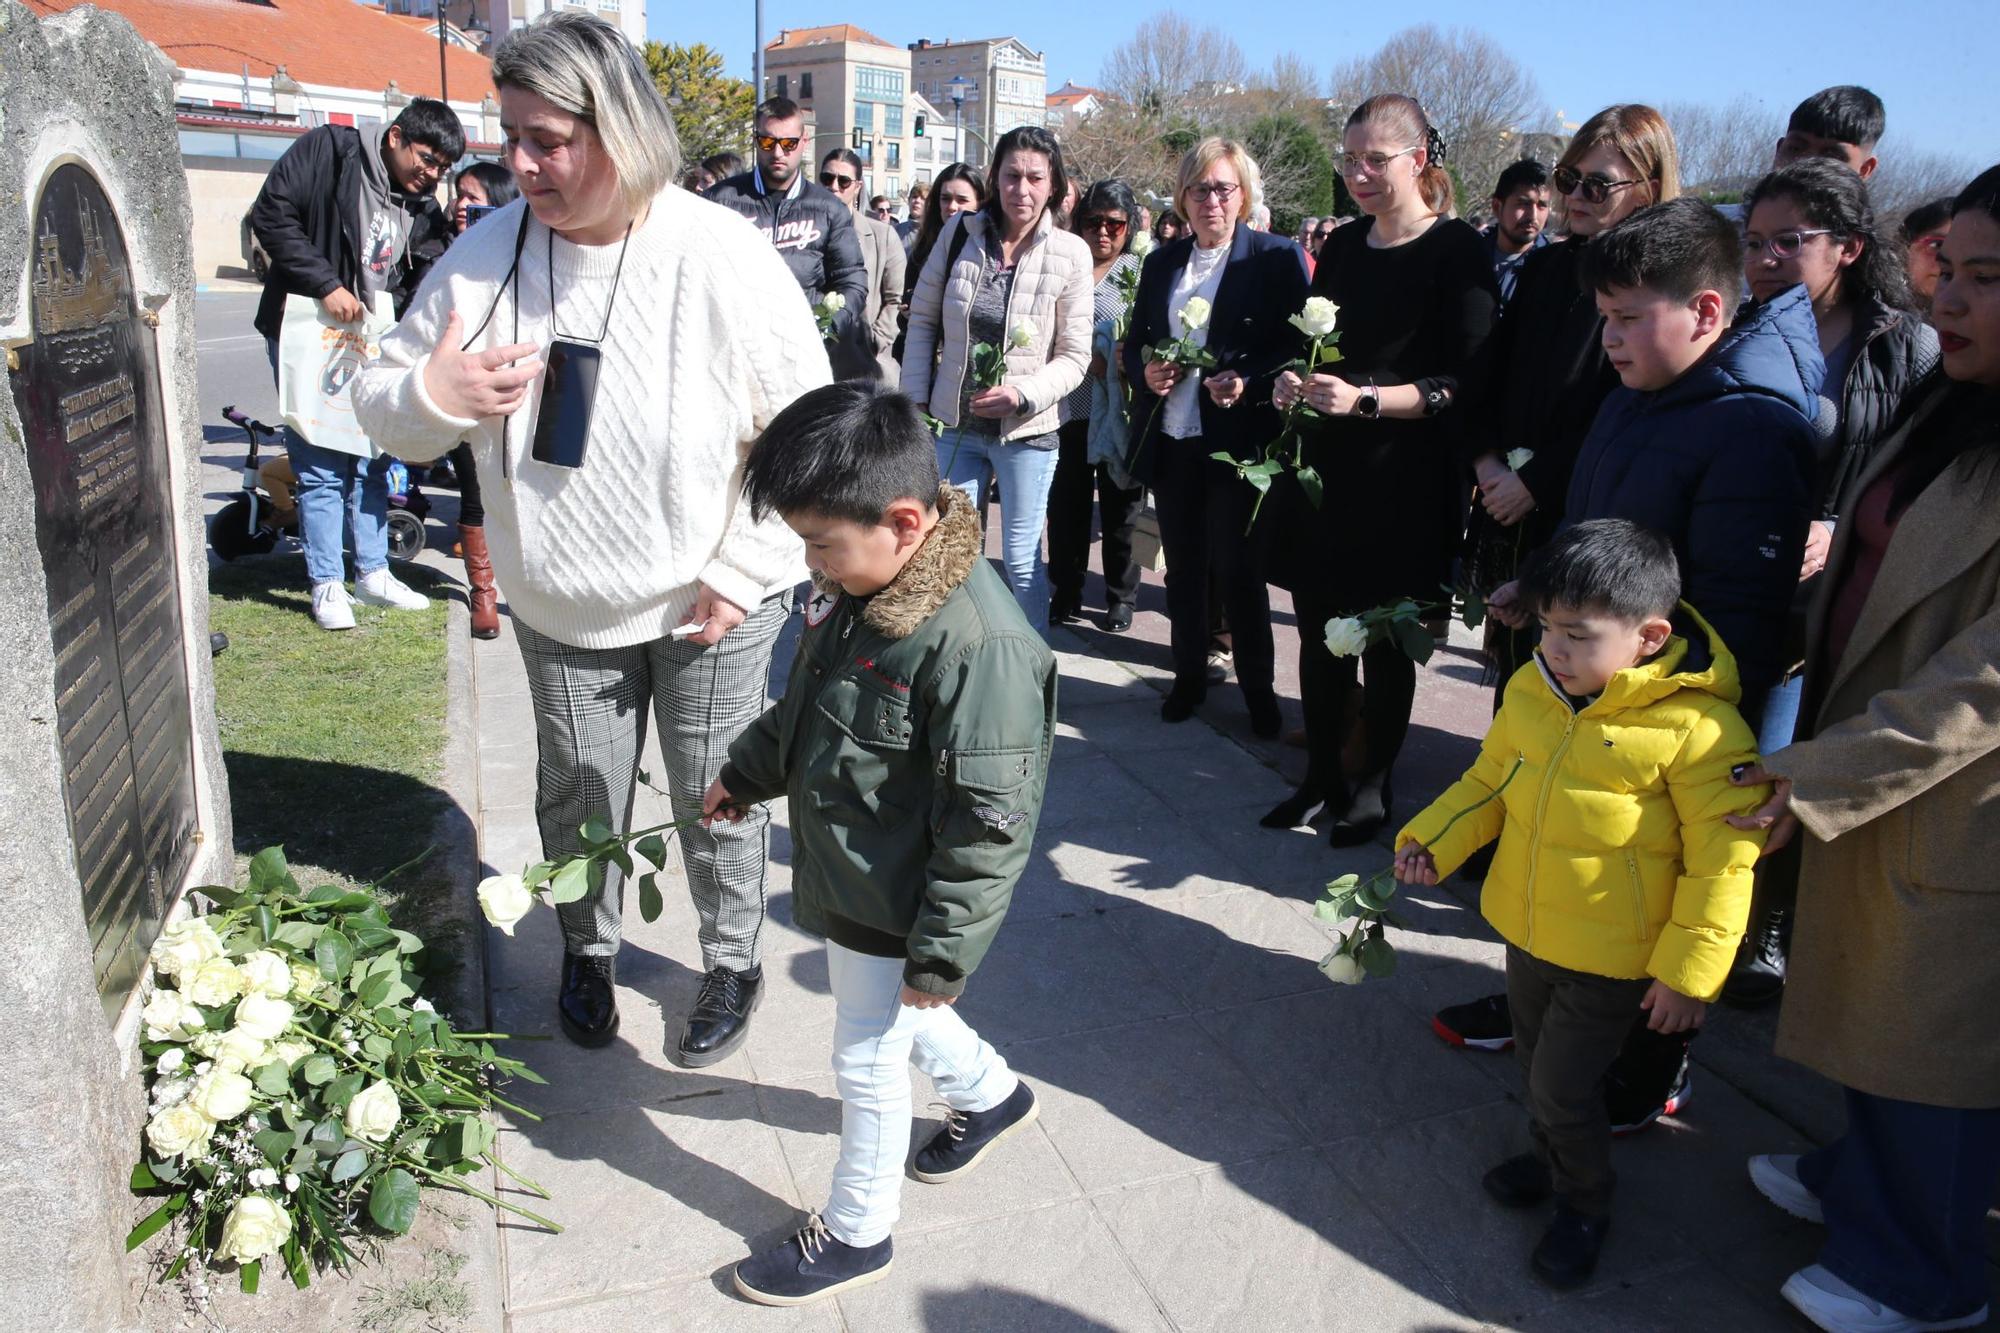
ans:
(959, 83)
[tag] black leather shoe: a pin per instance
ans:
(1265, 719)
(1118, 620)
(1181, 702)
(812, 1266)
(588, 1005)
(1065, 611)
(1295, 811)
(1366, 816)
(1519, 1182)
(1567, 1255)
(1758, 975)
(720, 1019)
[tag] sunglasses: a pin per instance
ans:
(1374, 164)
(1595, 189)
(771, 145)
(1783, 244)
(833, 180)
(1116, 226)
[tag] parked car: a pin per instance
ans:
(254, 257)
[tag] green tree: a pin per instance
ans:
(1298, 174)
(712, 111)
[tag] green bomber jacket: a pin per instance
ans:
(913, 742)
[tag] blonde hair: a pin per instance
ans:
(1198, 159)
(1403, 113)
(582, 64)
(1641, 136)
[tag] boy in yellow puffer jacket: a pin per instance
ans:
(1617, 885)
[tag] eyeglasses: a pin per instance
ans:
(1217, 190)
(1116, 226)
(431, 161)
(1373, 163)
(833, 180)
(1595, 189)
(1783, 244)
(771, 145)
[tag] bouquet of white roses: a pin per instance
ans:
(297, 1083)
(824, 311)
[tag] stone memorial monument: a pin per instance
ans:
(112, 787)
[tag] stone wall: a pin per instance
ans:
(70, 1096)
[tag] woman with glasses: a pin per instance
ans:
(641, 587)
(1104, 218)
(1252, 283)
(999, 335)
(881, 253)
(1417, 298)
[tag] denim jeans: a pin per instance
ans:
(876, 1038)
(966, 459)
(1781, 714)
(336, 491)
(1905, 1193)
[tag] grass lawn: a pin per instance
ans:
(334, 742)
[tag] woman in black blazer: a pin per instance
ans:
(1417, 299)
(1253, 283)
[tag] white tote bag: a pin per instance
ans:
(318, 358)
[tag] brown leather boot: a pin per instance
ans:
(482, 596)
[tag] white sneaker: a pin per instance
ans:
(1838, 1308)
(378, 587)
(332, 607)
(1776, 1176)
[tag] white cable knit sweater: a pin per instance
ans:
(709, 339)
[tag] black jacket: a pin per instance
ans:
(1897, 351)
(1263, 285)
(814, 234)
(304, 218)
(1721, 463)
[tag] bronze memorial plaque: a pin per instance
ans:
(87, 392)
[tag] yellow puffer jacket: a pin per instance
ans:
(1614, 858)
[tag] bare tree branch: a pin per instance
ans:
(1174, 70)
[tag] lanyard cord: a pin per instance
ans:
(616, 275)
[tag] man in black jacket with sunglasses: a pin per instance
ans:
(808, 224)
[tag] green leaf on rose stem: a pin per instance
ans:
(319, 1069)
(645, 778)
(1416, 642)
(654, 848)
(143, 1177)
(622, 859)
(273, 1079)
(650, 904)
(430, 1094)
(1310, 483)
(369, 939)
(295, 1264)
(219, 895)
(1343, 884)
(268, 870)
(265, 920)
(1350, 908)
(252, 1271)
(1376, 956)
(1375, 894)
(300, 935)
(341, 1091)
(348, 1165)
(593, 875)
(595, 831)
(538, 873)
(571, 882)
(1328, 909)
(334, 955)
(377, 1047)
(374, 989)
(325, 893)
(392, 1202)
(404, 1046)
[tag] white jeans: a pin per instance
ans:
(875, 1039)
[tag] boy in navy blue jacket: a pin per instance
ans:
(1710, 439)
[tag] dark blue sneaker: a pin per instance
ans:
(968, 1136)
(811, 1266)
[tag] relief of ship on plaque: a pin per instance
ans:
(78, 311)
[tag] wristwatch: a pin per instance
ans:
(1369, 404)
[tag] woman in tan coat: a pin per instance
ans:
(1895, 974)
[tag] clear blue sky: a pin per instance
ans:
(1931, 64)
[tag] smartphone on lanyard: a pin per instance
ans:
(569, 390)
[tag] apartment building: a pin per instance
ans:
(1004, 84)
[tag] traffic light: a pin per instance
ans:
(858, 138)
(922, 120)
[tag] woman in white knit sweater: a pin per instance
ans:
(701, 336)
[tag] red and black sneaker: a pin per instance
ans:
(1483, 1025)
(1630, 1114)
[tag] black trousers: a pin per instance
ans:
(1079, 481)
(1326, 687)
(471, 512)
(1204, 511)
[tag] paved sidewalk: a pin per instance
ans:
(1227, 1141)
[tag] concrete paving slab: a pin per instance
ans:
(706, 1306)
(1046, 978)
(1226, 949)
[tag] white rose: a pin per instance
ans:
(1194, 314)
(170, 1016)
(1520, 458)
(1346, 636)
(170, 1060)
(373, 1113)
(290, 1052)
(1143, 243)
(1317, 319)
(186, 945)
(1024, 334)
(179, 1131)
(306, 980)
(213, 983)
(255, 1228)
(263, 1017)
(266, 973)
(1341, 968)
(833, 303)
(221, 1094)
(505, 900)
(237, 1050)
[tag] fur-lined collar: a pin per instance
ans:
(945, 560)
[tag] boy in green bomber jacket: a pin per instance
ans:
(1618, 885)
(913, 744)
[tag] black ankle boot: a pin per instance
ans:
(588, 1004)
(1758, 976)
(1366, 815)
(720, 1019)
(1568, 1253)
